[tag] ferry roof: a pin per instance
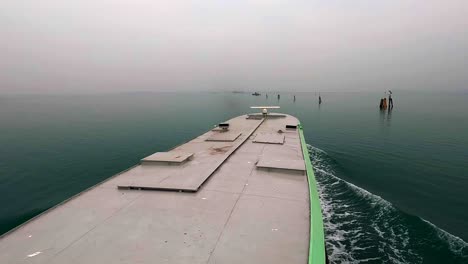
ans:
(205, 201)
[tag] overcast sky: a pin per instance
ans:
(52, 46)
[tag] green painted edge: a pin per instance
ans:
(317, 238)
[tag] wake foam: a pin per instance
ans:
(455, 243)
(362, 227)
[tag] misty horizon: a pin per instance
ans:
(104, 46)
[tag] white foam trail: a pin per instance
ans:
(396, 242)
(455, 243)
(360, 191)
(396, 237)
(310, 147)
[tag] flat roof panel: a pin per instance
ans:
(277, 184)
(206, 158)
(269, 138)
(285, 164)
(172, 156)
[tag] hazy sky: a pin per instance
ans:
(136, 45)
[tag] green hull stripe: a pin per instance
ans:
(317, 241)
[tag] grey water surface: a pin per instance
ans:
(392, 183)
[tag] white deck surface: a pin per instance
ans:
(241, 214)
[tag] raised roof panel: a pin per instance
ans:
(284, 164)
(189, 176)
(269, 138)
(171, 157)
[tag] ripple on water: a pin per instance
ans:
(361, 227)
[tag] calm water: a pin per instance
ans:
(393, 184)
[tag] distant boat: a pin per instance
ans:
(256, 94)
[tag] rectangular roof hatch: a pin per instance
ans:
(174, 157)
(282, 164)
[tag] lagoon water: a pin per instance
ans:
(393, 184)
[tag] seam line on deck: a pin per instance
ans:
(236, 147)
(235, 204)
(259, 195)
(94, 227)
